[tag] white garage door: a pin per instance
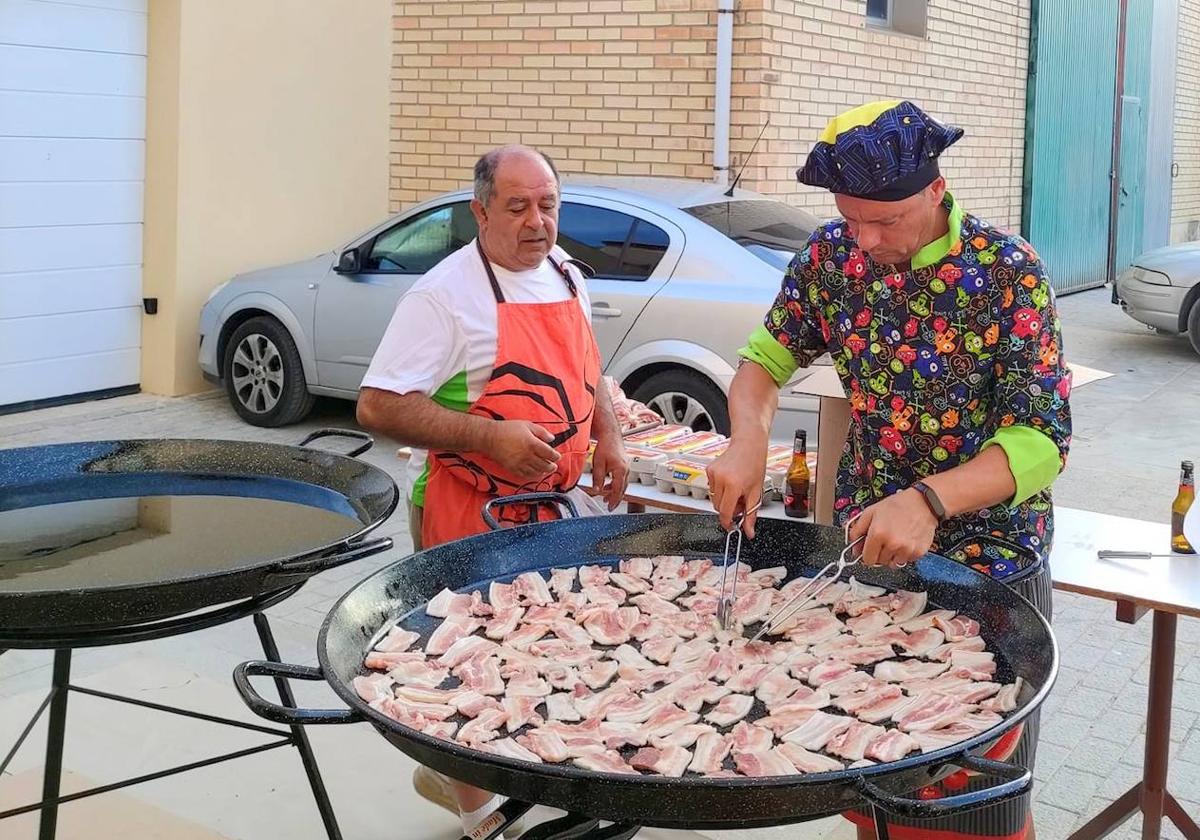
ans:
(72, 151)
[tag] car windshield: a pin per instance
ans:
(771, 230)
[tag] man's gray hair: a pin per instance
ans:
(485, 169)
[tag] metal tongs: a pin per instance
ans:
(729, 585)
(815, 586)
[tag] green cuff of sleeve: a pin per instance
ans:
(763, 349)
(1032, 458)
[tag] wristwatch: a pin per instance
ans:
(931, 499)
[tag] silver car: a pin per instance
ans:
(1162, 289)
(684, 273)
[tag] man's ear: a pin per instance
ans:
(937, 189)
(479, 212)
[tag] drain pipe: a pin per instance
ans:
(722, 93)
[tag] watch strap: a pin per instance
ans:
(931, 500)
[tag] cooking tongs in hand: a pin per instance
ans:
(813, 589)
(728, 583)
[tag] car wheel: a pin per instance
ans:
(686, 398)
(263, 374)
(1194, 326)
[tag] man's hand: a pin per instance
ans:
(610, 470)
(735, 482)
(522, 448)
(899, 530)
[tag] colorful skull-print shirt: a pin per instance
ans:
(959, 353)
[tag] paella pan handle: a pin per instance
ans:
(560, 499)
(1017, 781)
(368, 441)
(311, 564)
(283, 714)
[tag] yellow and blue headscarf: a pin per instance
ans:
(884, 151)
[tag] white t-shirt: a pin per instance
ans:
(444, 329)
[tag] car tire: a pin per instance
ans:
(1194, 326)
(263, 374)
(688, 398)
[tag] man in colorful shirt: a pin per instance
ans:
(944, 333)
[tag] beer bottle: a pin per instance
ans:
(1183, 501)
(795, 497)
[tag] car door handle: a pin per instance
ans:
(603, 310)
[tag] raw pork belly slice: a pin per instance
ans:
(378, 661)
(526, 635)
(958, 628)
(562, 707)
(444, 729)
(768, 578)
(893, 745)
(502, 595)
(450, 631)
(942, 653)
(782, 721)
(869, 655)
(593, 575)
(898, 671)
(504, 621)
(905, 606)
(373, 687)
(668, 761)
(933, 711)
(981, 664)
(531, 587)
(639, 567)
(710, 753)
(632, 585)
(1006, 699)
(509, 748)
(684, 736)
(668, 589)
(925, 620)
(853, 742)
(418, 673)
(521, 711)
(397, 640)
(808, 762)
(777, 686)
(748, 678)
(868, 698)
(817, 730)
(483, 676)
(470, 703)
(763, 763)
(870, 623)
(661, 648)
(750, 738)
(447, 603)
(598, 674)
(604, 625)
(419, 694)
(836, 647)
(548, 745)
(485, 727)
(653, 604)
(753, 607)
(730, 710)
(468, 647)
(562, 581)
(827, 672)
(922, 642)
(609, 761)
(810, 626)
(528, 687)
(852, 683)
(628, 655)
(668, 719)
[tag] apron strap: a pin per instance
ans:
(561, 268)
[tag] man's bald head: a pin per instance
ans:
(516, 206)
(490, 162)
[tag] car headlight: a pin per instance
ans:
(215, 292)
(1154, 278)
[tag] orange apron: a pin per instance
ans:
(546, 371)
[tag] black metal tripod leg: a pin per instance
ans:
(52, 777)
(298, 733)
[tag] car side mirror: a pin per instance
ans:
(349, 262)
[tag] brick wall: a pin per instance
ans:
(1185, 188)
(608, 86)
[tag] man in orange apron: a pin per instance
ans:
(490, 365)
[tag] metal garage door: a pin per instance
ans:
(72, 150)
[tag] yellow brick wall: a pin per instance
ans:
(1185, 188)
(608, 86)
(603, 86)
(970, 71)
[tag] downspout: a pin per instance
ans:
(722, 93)
(1114, 196)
